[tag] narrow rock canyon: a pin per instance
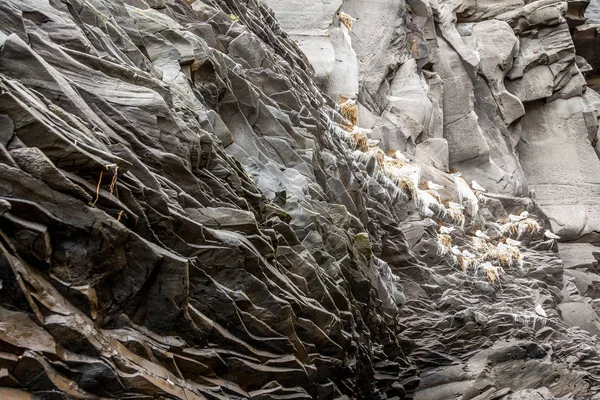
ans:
(299, 199)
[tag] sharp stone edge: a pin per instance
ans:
(183, 216)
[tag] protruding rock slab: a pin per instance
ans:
(579, 255)
(581, 315)
(587, 40)
(561, 166)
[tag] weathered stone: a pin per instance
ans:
(579, 255)
(433, 152)
(184, 215)
(585, 38)
(566, 184)
(580, 315)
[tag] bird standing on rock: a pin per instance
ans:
(456, 206)
(373, 142)
(434, 186)
(481, 235)
(456, 251)
(401, 157)
(540, 311)
(512, 242)
(515, 218)
(446, 230)
(477, 186)
(468, 254)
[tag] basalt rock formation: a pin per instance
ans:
(227, 199)
(586, 38)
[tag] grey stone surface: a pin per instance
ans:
(184, 214)
(580, 315)
(566, 184)
(579, 255)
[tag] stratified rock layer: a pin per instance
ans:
(181, 216)
(490, 80)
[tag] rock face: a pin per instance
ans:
(586, 38)
(593, 11)
(495, 78)
(186, 213)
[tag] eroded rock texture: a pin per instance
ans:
(491, 80)
(182, 216)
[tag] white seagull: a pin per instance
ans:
(515, 218)
(401, 156)
(540, 311)
(486, 265)
(434, 186)
(551, 235)
(481, 235)
(512, 242)
(445, 230)
(468, 254)
(456, 206)
(373, 142)
(456, 251)
(477, 186)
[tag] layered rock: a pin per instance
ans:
(586, 38)
(508, 58)
(183, 215)
(176, 218)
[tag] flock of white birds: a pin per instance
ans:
(487, 253)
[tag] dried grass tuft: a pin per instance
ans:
(347, 20)
(361, 140)
(349, 110)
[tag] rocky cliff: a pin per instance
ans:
(286, 199)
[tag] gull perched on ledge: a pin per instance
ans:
(477, 186)
(446, 230)
(512, 242)
(481, 235)
(401, 157)
(457, 206)
(540, 311)
(434, 186)
(373, 142)
(515, 218)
